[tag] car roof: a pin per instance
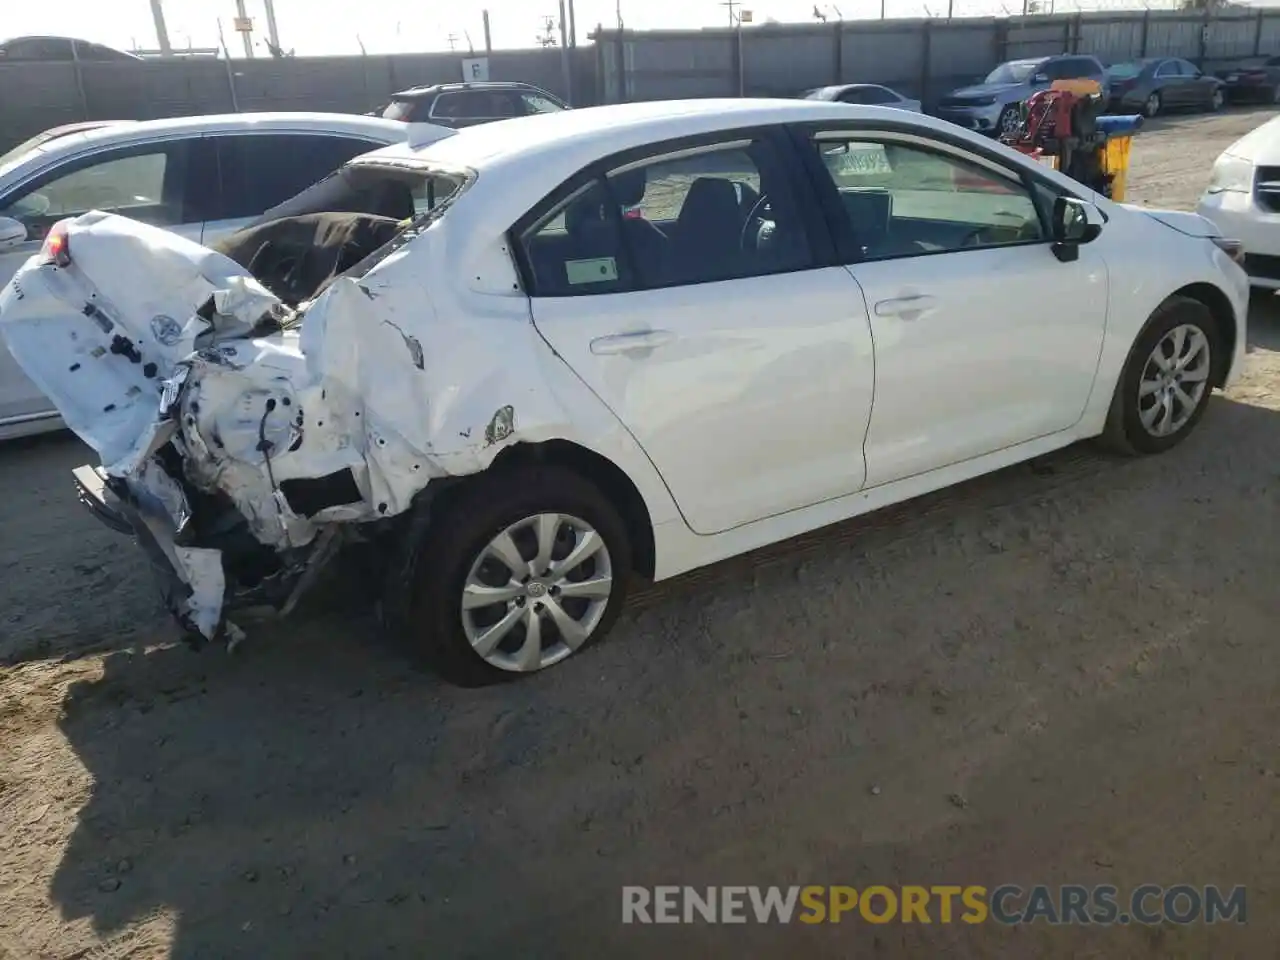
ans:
(141, 131)
(520, 160)
(433, 88)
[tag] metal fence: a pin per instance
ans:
(37, 96)
(922, 58)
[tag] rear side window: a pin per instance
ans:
(478, 105)
(258, 171)
(867, 95)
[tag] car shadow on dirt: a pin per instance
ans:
(930, 694)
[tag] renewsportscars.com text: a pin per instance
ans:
(1006, 904)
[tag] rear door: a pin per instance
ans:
(1171, 85)
(256, 171)
(148, 182)
(709, 320)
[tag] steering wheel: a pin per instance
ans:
(753, 215)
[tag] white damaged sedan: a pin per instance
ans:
(534, 359)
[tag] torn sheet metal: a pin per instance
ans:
(147, 339)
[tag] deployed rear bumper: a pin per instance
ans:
(191, 579)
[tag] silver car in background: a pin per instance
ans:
(991, 107)
(867, 94)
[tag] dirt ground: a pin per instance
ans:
(1067, 672)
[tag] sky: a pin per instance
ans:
(320, 27)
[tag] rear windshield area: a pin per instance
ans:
(398, 191)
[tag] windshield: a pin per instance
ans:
(1016, 72)
(1125, 71)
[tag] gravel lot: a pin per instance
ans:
(1063, 673)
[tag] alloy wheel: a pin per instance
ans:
(1174, 380)
(1218, 100)
(536, 592)
(1152, 105)
(1010, 120)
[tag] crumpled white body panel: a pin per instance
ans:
(374, 381)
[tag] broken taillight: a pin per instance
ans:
(56, 248)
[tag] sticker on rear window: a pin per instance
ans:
(598, 270)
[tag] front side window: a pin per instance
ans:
(477, 105)
(145, 184)
(1016, 71)
(699, 216)
(903, 199)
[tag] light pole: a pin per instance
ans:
(162, 32)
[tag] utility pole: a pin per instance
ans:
(619, 12)
(272, 33)
(573, 26)
(453, 41)
(162, 32)
(488, 43)
(733, 6)
(242, 19)
(566, 66)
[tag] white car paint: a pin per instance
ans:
(743, 412)
(1244, 205)
(23, 410)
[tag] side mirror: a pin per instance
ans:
(12, 233)
(1074, 222)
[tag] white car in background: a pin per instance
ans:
(524, 394)
(1243, 200)
(865, 94)
(201, 177)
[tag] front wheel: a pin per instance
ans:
(1164, 388)
(1010, 120)
(1152, 105)
(524, 568)
(1217, 101)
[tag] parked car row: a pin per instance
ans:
(1148, 85)
(518, 397)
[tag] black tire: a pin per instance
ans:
(1008, 120)
(465, 520)
(1124, 433)
(1152, 106)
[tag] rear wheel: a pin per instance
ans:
(1165, 385)
(1152, 105)
(1218, 100)
(523, 570)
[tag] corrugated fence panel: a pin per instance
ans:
(1231, 37)
(779, 63)
(37, 96)
(1038, 38)
(1270, 39)
(1173, 35)
(960, 52)
(671, 66)
(1111, 41)
(890, 53)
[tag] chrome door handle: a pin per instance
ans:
(907, 308)
(631, 342)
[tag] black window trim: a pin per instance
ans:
(821, 248)
(820, 181)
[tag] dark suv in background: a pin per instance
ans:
(466, 104)
(992, 106)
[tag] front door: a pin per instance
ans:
(681, 289)
(984, 339)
